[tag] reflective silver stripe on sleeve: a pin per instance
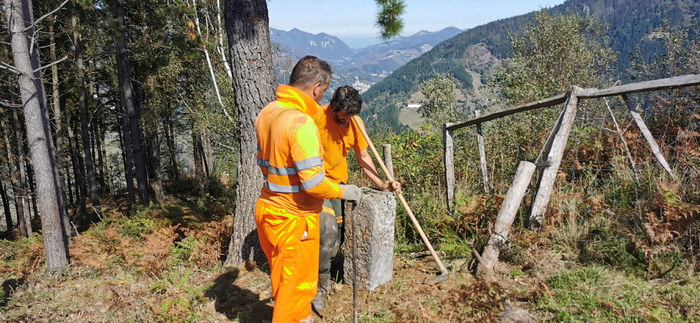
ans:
(313, 182)
(282, 188)
(277, 170)
(282, 170)
(308, 163)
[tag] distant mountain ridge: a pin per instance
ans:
(630, 22)
(375, 59)
(297, 44)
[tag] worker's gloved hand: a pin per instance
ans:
(352, 193)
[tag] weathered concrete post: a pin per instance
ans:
(374, 216)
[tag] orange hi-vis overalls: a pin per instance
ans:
(286, 214)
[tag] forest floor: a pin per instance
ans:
(164, 265)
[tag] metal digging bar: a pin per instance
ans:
(443, 271)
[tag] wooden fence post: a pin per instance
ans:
(506, 215)
(553, 158)
(387, 160)
(647, 134)
(448, 142)
(482, 155)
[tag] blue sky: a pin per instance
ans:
(354, 23)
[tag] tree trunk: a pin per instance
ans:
(31, 196)
(247, 26)
(130, 102)
(26, 215)
(128, 159)
(14, 178)
(207, 153)
(6, 207)
(60, 158)
(28, 12)
(154, 152)
(67, 167)
(198, 162)
(172, 150)
(103, 160)
(84, 126)
(81, 190)
(40, 144)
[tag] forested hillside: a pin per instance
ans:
(631, 29)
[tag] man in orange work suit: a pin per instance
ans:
(339, 132)
(287, 211)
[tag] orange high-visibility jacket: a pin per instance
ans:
(290, 154)
(336, 142)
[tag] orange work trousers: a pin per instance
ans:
(291, 244)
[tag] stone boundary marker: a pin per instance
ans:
(375, 216)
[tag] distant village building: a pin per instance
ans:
(412, 105)
(360, 86)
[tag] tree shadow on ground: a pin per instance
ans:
(236, 302)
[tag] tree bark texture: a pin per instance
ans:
(21, 166)
(128, 158)
(172, 150)
(39, 139)
(554, 154)
(78, 169)
(58, 126)
(84, 126)
(9, 226)
(247, 26)
(154, 152)
(103, 161)
(130, 103)
(198, 160)
(14, 178)
(28, 12)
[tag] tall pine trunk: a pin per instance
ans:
(128, 159)
(154, 152)
(40, 143)
(198, 162)
(28, 12)
(172, 150)
(247, 26)
(103, 160)
(85, 128)
(130, 102)
(81, 190)
(58, 127)
(6, 207)
(31, 195)
(14, 177)
(22, 169)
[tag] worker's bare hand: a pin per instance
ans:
(392, 186)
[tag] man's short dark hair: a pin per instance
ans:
(347, 99)
(308, 71)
